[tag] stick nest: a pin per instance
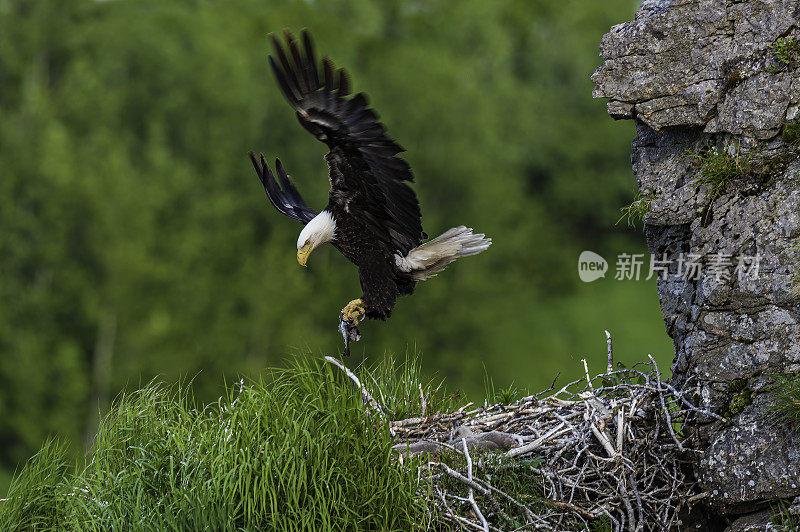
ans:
(601, 453)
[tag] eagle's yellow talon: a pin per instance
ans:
(353, 312)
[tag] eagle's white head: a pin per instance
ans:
(321, 229)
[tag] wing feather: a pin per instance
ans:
(367, 178)
(284, 197)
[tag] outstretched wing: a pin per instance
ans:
(285, 196)
(367, 179)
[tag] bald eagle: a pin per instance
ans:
(373, 216)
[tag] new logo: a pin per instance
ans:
(591, 266)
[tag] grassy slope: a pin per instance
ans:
(294, 451)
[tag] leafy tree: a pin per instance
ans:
(135, 239)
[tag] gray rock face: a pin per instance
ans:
(758, 522)
(693, 74)
(716, 54)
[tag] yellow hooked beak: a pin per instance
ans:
(303, 253)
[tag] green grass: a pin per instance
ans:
(785, 393)
(498, 395)
(520, 479)
(783, 519)
(785, 54)
(293, 451)
(398, 388)
(602, 524)
(40, 498)
(638, 209)
(505, 396)
(717, 167)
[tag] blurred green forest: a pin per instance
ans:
(136, 240)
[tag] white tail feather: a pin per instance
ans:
(430, 258)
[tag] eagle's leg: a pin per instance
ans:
(353, 312)
(348, 321)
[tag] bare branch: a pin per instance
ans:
(368, 399)
(471, 497)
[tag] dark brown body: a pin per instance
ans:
(380, 279)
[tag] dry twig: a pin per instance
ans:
(368, 399)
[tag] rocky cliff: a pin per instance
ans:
(713, 87)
